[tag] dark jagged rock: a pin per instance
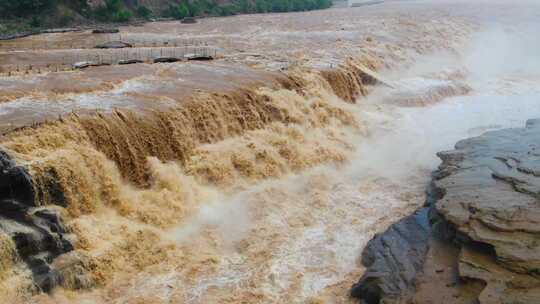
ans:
(166, 59)
(199, 57)
(130, 61)
(106, 31)
(86, 64)
(37, 231)
(15, 183)
(113, 45)
(393, 260)
(484, 242)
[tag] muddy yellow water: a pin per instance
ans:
(260, 177)
(219, 203)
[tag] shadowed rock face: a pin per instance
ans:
(38, 232)
(484, 199)
(15, 182)
(393, 260)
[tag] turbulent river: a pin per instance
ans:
(274, 233)
(298, 238)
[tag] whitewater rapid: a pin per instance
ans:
(298, 239)
(277, 212)
(340, 209)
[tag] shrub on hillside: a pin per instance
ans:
(65, 16)
(210, 7)
(35, 22)
(112, 11)
(245, 6)
(122, 16)
(23, 8)
(144, 12)
(80, 6)
(179, 11)
(262, 6)
(191, 9)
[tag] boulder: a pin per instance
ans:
(86, 64)
(198, 57)
(83, 64)
(166, 59)
(393, 259)
(106, 31)
(130, 61)
(113, 45)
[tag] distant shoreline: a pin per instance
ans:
(362, 3)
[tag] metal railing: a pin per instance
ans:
(108, 57)
(91, 41)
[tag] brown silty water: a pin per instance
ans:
(221, 182)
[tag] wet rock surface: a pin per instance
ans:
(37, 231)
(393, 260)
(130, 61)
(86, 64)
(483, 246)
(166, 59)
(491, 186)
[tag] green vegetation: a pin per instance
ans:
(211, 8)
(113, 10)
(178, 12)
(35, 22)
(22, 8)
(144, 12)
(32, 15)
(66, 16)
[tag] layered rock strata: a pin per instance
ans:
(483, 243)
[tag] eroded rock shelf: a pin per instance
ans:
(482, 245)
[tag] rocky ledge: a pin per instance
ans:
(482, 244)
(40, 238)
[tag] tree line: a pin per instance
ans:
(211, 8)
(116, 10)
